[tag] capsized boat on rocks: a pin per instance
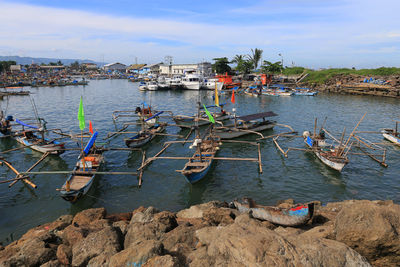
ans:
(294, 216)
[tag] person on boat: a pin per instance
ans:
(5, 124)
(223, 112)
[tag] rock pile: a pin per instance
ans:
(349, 233)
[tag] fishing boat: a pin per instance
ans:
(294, 216)
(243, 125)
(252, 91)
(152, 86)
(82, 177)
(199, 164)
(304, 92)
(330, 155)
(145, 136)
(392, 135)
(142, 86)
(189, 121)
(212, 83)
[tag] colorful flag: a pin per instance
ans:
(233, 96)
(216, 95)
(210, 117)
(90, 127)
(81, 116)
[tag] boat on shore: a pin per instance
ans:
(81, 179)
(244, 125)
(298, 215)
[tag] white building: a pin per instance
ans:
(115, 66)
(180, 69)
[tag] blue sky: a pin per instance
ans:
(311, 33)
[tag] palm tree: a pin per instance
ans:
(255, 56)
(237, 59)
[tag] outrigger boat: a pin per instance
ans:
(82, 177)
(190, 121)
(244, 125)
(40, 144)
(330, 155)
(199, 164)
(147, 133)
(295, 216)
(392, 134)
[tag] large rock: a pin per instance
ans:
(372, 229)
(253, 245)
(137, 254)
(88, 216)
(72, 235)
(197, 211)
(164, 261)
(64, 254)
(105, 242)
(149, 225)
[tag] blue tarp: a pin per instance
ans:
(26, 125)
(155, 115)
(90, 143)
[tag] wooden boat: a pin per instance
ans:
(252, 91)
(304, 92)
(246, 125)
(82, 177)
(189, 121)
(330, 155)
(392, 135)
(145, 136)
(40, 144)
(295, 216)
(199, 164)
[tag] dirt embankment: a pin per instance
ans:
(348, 233)
(387, 86)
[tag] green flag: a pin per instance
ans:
(210, 117)
(81, 116)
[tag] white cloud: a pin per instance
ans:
(44, 31)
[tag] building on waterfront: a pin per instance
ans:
(49, 68)
(203, 68)
(15, 68)
(115, 67)
(135, 68)
(89, 66)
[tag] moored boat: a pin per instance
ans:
(145, 136)
(82, 177)
(294, 216)
(43, 145)
(245, 125)
(392, 135)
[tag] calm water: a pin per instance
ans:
(302, 176)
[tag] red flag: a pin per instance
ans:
(90, 127)
(233, 96)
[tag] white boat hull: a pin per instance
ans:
(391, 138)
(191, 86)
(55, 149)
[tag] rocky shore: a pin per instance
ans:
(348, 233)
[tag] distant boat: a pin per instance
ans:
(142, 86)
(189, 121)
(210, 84)
(152, 86)
(304, 92)
(295, 216)
(192, 81)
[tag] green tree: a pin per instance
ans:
(75, 65)
(221, 65)
(269, 67)
(255, 57)
(59, 63)
(5, 65)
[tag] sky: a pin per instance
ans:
(308, 33)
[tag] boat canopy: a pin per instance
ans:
(26, 125)
(257, 116)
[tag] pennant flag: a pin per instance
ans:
(81, 116)
(216, 95)
(233, 96)
(90, 127)
(210, 117)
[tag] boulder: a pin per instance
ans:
(372, 229)
(165, 261)
(122, 226)
(72, 235)
(149, 226)
(196, 211)
(217, 216)
(254, 245)
(88, 216)
(53, 263)
(104, 242)
(64, 254)
(137, 254)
